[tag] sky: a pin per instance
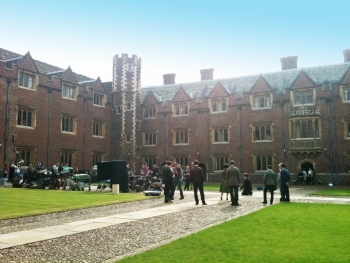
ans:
(236, 38)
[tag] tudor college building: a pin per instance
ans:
(299, 116)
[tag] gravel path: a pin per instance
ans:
(111, 243)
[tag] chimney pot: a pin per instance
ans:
(169, 78)
(346, 53)
(289, 62)
(207, 73)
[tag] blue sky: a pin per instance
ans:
(236, 38)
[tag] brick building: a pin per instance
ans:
(297, 116)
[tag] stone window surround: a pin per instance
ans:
(342, 93)
(35, 79)
(103, 128)
(254, 126)
(259, 95)
(222, 101)
(33, 120)
(293, 92)
(182, 106)
(102, 99)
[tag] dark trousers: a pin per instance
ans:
(168, 191)
(199, 186)
(234, 197)
(187, 184)
(270, 188)
(284, 192)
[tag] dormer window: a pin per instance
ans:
(261, 101)
(219, 105)
(150, 112)
(99, 99)
(68, 92)
(303, 97)
(181, 109)
(345, 93)
(27, 80)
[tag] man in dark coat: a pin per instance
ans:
(168, 181)
(197, 178)
(285, 177)
(247, 186)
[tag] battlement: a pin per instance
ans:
(124, 58)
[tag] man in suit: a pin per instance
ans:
(197, 178)
(168, 181)
(233, 182)
(270, 183)
(285, 177)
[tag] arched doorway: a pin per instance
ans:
(306, 166)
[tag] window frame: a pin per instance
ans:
(23, 154)
(99, 126)
(219, 105)
(20, 119)
(215, 134)
(345, 93)
(182, 160)
(263, 128)
(31, 78)
(71, 94)
(97, 157)
(150, 112)
(256, 101)
(262, 160)
(72, 121)
(181, 137)
(150, 139)
(300, 92)
(150, 161)
(305, 126)
(99, 99)
(219, 161)
(181, 109)
(67, 154)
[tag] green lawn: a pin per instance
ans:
(287, 232)
(18, 202)
(334, 192)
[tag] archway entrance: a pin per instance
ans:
(306, 166)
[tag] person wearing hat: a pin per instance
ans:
(284, 180)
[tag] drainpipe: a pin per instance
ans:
(330, 138)
(8, 81)
(283, 133)
(208, 146)
(50, 91)
(335, 141)
(165, 137)
(84, 133)
(239, 108)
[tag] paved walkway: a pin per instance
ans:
(45, 233)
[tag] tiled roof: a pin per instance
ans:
(277, 80)
(42, 66)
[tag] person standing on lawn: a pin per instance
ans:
(270, 183)
(285, 177)
(223, 187)
(233, 182)
(197, 178)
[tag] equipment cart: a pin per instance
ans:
(82, 181)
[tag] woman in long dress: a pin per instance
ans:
(223, 187)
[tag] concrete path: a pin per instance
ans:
(45, 233)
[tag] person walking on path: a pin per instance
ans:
(270, 184)
(197, 178)
(247, 186)
(223, 187)
(233, 182)
(168, 181)
(284, 179)
(178, 179)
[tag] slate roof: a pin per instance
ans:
(42, 66)
(279, 81)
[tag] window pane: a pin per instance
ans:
(19, 117)
(267, 100)
(24, 120)
(257, 133)
(309, 97)
(29, 118)
(226, 135)
(297, 98)
(262, 133)
(309, 129)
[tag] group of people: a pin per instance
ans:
(306, 177)
(172, 176)
(10, 173)
(230, 181)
